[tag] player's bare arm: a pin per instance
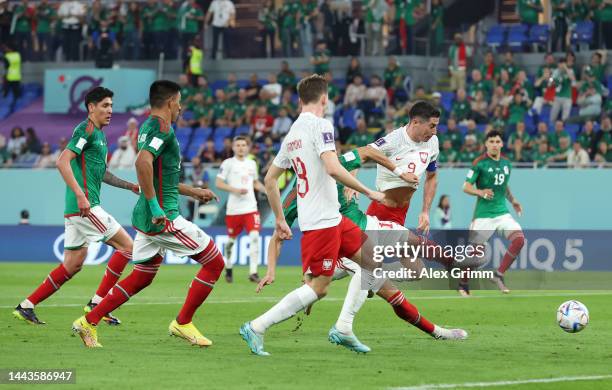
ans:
(203, 195)
(515, 203)
(259, 187)
(144, 171)
(63, 166)
(429, 191)
(273, 254)
(114, 181)
(485, 194)
(223, 186)
(273, 192)
(369, 153)
(340, 174)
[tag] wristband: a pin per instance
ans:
(399, 170)
(155, 209)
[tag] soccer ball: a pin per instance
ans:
(572, 316)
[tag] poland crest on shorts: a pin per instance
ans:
(327, 264)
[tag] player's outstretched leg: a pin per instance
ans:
(228, 248)
(73, 261)
(253, 256)
(201, 286)
(409, 313)
(297, 300)
(517, 240)
(342, 332)
(141, 276)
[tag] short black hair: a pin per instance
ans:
(96, 95)
(423, 110)
(162, 90)
(493, 133)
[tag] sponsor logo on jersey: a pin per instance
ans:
(328, 138)
(327, 264)
(423, 156)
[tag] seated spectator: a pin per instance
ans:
(124, 157)
(510, 66)
(227, 151)
(207, 152)
(205, 90)
(589, 103)
(516, 111)
(478, 84)
(549, 64)
(542, 133)
(394, 76)
(219, 107)
(375, 97)
(202, 113)
(454, 134)
(587, 138)
(603, 154)
(46, 158)
(16, 145)
(232, 88)
(243, 109)
(542, 154)
(605, 132)
(419, 94)
(499, 99)
(354, 69)
(320, 58)
(505, 81)
(522, 85)
(488, 70)
(281, 125)
(472, 130)
(436, 101)
(333, 93)
(555, 138)
(354, 92)
(197, 176)
(288, 104)
(448, 155)
(228, 119)
(361, 136)
(461, 107)
(577, 157)
(268, 147)
(470, 150)
(479, 107)
(253, 88)
(33, 144)
(520, 144)
(560, 153)
(272, 91)
(597, 68)
(286, 77)
(261, 124)
(498, 121)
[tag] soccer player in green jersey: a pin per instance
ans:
(488, 181)
(342, 332)
(158, 222)
(83, 167)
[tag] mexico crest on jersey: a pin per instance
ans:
(423, 156)
(327, 264)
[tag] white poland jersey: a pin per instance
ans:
(317, 199)
(416, 157)
(240, 174)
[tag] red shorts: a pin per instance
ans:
(322, 248)
(386, 213)
(248, 222)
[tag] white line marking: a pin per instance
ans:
(504, 383)
(180, 300)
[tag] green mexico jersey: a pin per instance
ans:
(89, 144)
(350, 161)
(157, 137)
(487, 173)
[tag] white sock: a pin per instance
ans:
(355, 298)
(254, 252)
(229, 246)
(26, 304)
(292, 303)
(96, 299)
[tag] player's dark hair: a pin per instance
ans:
(241, 138)
(311, 88)
(423, 110)
(96, 95)
(161, 91)
(493, 133)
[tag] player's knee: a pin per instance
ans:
(73, 268)
(320, 289)
(518, 240)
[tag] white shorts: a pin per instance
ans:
(182, 237)
(97, 226)
(374, 223)
(481, 229)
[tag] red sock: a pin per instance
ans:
(203, 283)
(517, 240)
(408, 312)
(113, 271)
(50, 285)
(141, 276)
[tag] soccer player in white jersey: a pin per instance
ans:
(414, 146)
(309, 148)
(238, 176)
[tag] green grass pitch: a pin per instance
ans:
(512, 338)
